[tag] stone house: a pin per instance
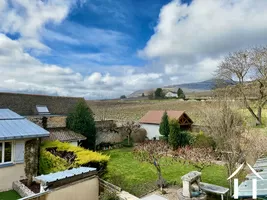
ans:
(49, 112)
(15, 131)
(151, 121)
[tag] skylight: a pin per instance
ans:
(42, 109)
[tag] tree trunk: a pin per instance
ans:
(259, 114)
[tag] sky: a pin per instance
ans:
(107, 48)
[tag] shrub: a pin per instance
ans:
(50, 163)
(178, 138)
(139, 135)
(125, 142)
(204, 141)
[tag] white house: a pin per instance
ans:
(151, 121)
(171, 95)
(15, 130)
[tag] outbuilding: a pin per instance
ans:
(151, 121)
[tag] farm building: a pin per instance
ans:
(171, 95)
(151, 121)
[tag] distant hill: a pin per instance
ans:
(202, 86)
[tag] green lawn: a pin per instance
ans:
(128, 173)
(9, 195)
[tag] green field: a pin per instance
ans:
(139, 178)
(9, 195)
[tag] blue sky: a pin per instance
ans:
(106, 48)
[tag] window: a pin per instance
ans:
(5, 152)
(42, 109)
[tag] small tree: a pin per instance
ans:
(164, 127)
(150, 95)
(143, 94)
(81, 120)
(159, 93)
(174, 134)
(180, 93)
(123, 97)
(152, 152)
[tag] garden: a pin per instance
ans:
(156, 165)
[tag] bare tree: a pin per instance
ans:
(152, 152)
(243, 66)
(228, 130)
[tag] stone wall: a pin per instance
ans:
(112, 132)
(52, 121)
(22, 189)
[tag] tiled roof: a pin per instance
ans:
(154, 116)
(25, 104)
(64, 135)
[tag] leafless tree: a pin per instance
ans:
(152, 152)
(232, 137)
(249, 69)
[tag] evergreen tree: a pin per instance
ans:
(180, 93)
(164, 127)
(81, 120)
(174, 134)
(159, 93)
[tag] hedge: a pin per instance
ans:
(50, 163)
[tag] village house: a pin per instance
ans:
(151, 121)
(171, 95)
(15, 130)
(49, 112)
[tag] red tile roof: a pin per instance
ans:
(154, 116)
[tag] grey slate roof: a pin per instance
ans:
(14, 126)
(25, 104)
(64, 135)
(45, 179)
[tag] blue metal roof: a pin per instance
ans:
(62, 175)
(9, 114)
(14, 126)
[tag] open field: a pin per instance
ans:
(139, 178)
(134, 110)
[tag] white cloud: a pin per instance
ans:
(22, 72)
(190, 39)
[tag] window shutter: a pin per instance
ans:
(19, 152)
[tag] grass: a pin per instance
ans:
(132, 172)
(9, 195)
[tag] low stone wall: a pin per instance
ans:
(22, 189)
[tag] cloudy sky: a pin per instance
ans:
(106, 48)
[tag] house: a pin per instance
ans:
(151, 121)
(49, 112)
(171, 95)
(15, 130)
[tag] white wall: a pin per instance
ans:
(152, 130)
(74, 143)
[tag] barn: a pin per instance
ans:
(151, 121)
